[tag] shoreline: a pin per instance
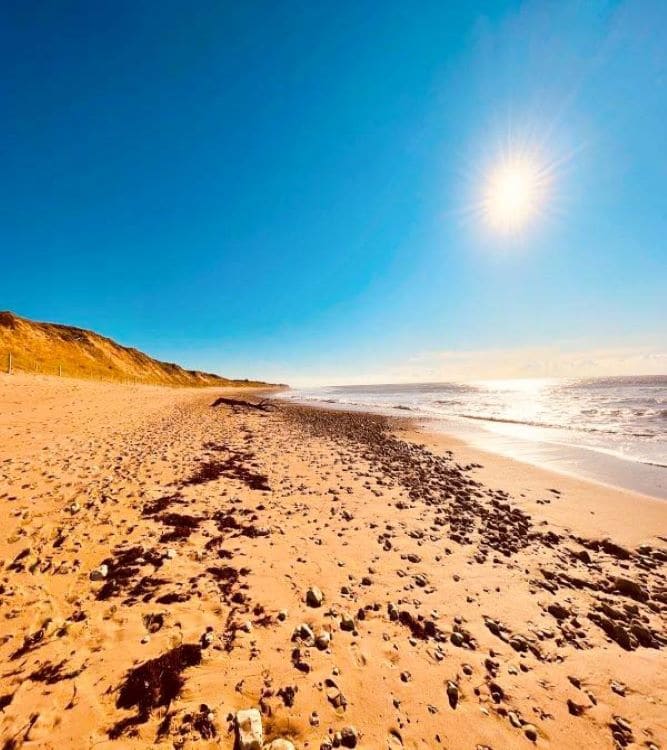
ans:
(586, 463)
(167, 562)
(598, 466)
(606, 506)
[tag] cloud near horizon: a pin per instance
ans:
(554, 361)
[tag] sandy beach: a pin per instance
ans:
(172, 556)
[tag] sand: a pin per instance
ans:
(157, 553)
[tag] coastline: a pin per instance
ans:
(603, 468)
(582, 506)
(580, 462)
(158, 554)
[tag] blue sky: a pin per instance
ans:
(291, 190)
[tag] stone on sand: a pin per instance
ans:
(314, 597)
(249, 732)
(100, 573)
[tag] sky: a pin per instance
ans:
(298, 191)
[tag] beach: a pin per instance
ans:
(611, 430)
(171, 556)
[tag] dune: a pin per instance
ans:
(51, 348)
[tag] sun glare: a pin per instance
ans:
(514, 194)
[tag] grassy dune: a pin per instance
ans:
(53, 349)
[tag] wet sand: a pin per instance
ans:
(167, 563)
(532, 446)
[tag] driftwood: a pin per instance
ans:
(263, 405)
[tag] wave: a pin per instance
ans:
(554, 426)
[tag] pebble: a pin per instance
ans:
(304, 633)
(452, 693)
(515, 721)
(100, 573)
(314, 597)
(349, 736)
(457, 639)
(323, 640)
(530, 730)
(249, 731)
(346, 622)
(618, 688)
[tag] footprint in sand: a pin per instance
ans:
(359, 657)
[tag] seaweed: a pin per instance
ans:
(182, 526)
(154, 684)
(123, 569)
(161, 504)
(50, 673)
(232, 467)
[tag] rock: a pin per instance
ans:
(349, 736)
(518, 643)
(249, 732)
(323, 640)
(584, 556)
(314, 597)
(457, 639)
(280, 744)
(452, 693)
(643, 635)
(631, 588)
(100, 573)
(575, 708)
(530, 730)
(335, 697)
(558, 611)
(303, 632)
(618, 687)
(346, 622)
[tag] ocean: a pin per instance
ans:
(567, 423)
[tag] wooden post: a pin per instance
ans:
(9, 366)
(60, 370)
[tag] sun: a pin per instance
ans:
(514, 194)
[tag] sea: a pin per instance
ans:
(612, 429)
